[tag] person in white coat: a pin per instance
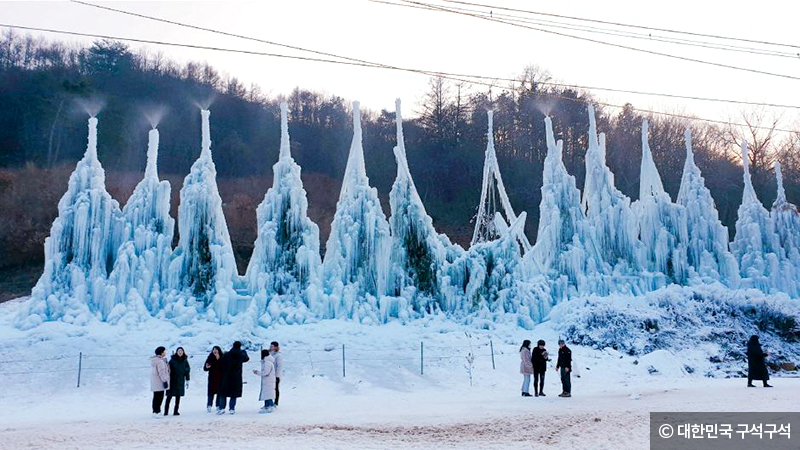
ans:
(159, 378)
(275, 351)
(267, 374)
(525, 367)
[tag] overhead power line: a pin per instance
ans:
(359, 64)
(608, 31)
(423, 71)
(609, 44)
(628, 25)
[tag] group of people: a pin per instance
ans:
(534, 362)
(171, 379)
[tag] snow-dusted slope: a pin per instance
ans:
(81, 249)
(284, 270)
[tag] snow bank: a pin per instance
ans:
(707, 327)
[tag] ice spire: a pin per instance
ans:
(355, 172)
(749, 194)
(357, 255)
(283, 274)
(206, 129)
(781, 198)
(91, 148)
(285, 151)
(151, 171)
(484, 221)
(650, 180)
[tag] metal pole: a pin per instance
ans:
(491, 346)
(421, 358)
(344, 372)
(80, 363)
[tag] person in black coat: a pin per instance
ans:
(178, 377)
(213, 366)
(539, 358)
(231, 382)
(756, 367)
(564, 364)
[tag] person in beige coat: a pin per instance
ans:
(159, 378)
(267, 374)
(525, 367)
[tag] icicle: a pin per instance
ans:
(650, 180)
(151, 171)
(355, 171)
(285, 151)
(206, 128)
(91, 148)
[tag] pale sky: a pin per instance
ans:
(454, 43)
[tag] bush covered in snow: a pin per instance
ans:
(713, 319)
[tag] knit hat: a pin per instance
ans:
(160, 350)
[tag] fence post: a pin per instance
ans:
(491, 346)
(80, 363)
(421, 358)
(344, 372)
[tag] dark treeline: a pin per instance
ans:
(47, 88)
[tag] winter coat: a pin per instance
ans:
(525, 366)
(159, 373)
(564, 358)
(178, 375)
(278, 363)
(231, 383)
(267, 374)
(214, 373)
(756, 367)
(539, 358)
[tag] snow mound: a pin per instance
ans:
(706, 326)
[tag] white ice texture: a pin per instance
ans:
(762, 259)
(117, 265)
(81, 249)
(284, 271)
(707, 248)
(356, 265)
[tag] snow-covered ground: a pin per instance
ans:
(382, 402)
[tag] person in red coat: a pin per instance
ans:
(213, 366)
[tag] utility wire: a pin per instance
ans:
(349, 63)
(610, 44)
(608, 31)
(619, 24)
(421, 71)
